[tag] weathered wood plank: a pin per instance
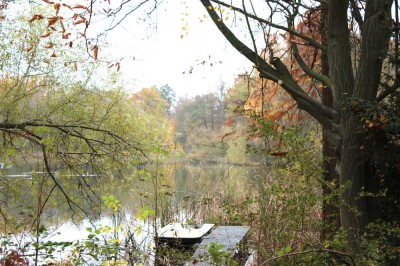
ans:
(228, 236)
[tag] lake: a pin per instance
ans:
(40, 220)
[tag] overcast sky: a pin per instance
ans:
(155, 53)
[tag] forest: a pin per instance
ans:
(303, 149)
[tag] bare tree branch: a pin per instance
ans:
(311, 41)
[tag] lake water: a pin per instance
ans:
(137, 205)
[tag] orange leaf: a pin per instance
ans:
(36, 17)
(95, 52)
(46, 34)
(66, 35)
(49, 2)
(52, 21)
(53, 54)
(118, 66)
(79, 6)
(57, 8)
(49, 45)
(32, 19)
(79, 21)
(29, 48)
(67, 6)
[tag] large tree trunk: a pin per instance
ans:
(353, 168)
(356, 173)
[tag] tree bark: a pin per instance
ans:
(330, 206)
(356, 173)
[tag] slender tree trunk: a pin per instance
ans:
(330, 207)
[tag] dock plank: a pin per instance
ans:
(228, 236)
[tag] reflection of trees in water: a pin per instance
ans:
(201, 189)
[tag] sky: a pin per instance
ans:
(176, 49)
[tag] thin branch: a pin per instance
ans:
(357, 14)
(269, 23)
(70, 202)
(388, 90)
(324, 79)
(41, 208)
(251, 33)
(342, 255)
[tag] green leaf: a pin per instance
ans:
(280, 252)
(144, 213)
(11, 151)
(288, 249)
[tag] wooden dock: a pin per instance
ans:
(226, 238)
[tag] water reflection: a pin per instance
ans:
(176, 192)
